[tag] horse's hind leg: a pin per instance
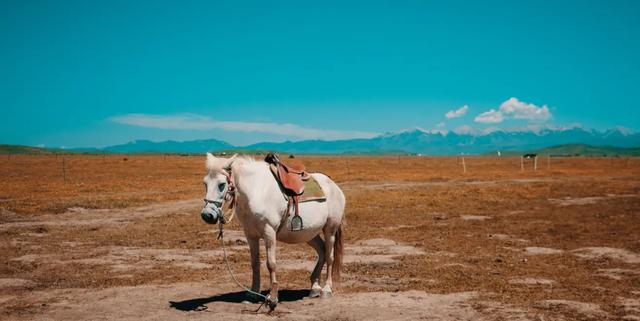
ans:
(329, 240)
(318, 244)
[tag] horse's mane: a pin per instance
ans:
(218, 164)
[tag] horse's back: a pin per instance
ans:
(317, 216)
(335, 198)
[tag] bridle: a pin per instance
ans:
(229, 196)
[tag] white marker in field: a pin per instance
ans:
(548, 161)
(64, 171)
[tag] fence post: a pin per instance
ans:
(464, 166)
(64, 170)
(521, 163)
(348, 169)
(548, 161)
(535, 163)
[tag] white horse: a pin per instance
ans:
(260, 206)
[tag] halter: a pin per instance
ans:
(229, 196)
(216, 203)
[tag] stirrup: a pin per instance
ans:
(296, 223)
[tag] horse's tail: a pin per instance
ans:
(338, 248)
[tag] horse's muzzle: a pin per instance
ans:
(209, 218)
(211, 215)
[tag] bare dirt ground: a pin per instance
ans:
(120, 239)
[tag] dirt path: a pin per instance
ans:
(198, 302)
(99, 217)
(25, 300)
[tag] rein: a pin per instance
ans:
(230, 196)
(266, 298)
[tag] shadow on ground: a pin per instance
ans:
(199, 304)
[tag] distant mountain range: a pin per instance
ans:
(170, 146)
(414, 141)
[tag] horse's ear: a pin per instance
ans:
(230, 161)
(210, 160)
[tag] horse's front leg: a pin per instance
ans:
(254, 247)
(270, 246)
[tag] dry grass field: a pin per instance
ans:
(120, 237)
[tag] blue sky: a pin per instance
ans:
(91, 73)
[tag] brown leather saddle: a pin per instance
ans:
(291, 179)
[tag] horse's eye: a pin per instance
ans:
(221, 186)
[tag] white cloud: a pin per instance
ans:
(490, 117)
(199, 122)
(458, 112)
(516, 109)
(513, 108)
(440, 125)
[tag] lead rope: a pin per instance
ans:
(267, 298)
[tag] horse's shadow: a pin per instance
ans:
(199, 304)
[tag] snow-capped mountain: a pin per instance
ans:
(435, 142)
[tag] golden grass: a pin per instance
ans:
(33, 184)
(415, 200)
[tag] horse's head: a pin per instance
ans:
(217, 188)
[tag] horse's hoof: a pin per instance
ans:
(314, 293)
(326, 294)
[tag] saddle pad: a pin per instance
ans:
(312, 191)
